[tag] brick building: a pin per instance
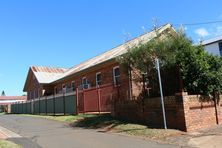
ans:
(101, 84)
(99, 77)
(6, 101)
(98, 71)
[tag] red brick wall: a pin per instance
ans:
(34, 88)
(200, 114)
(150, 112)
(106, 70)
(187, 112)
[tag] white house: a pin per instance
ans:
(213, 45)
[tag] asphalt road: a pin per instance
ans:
(39, 132)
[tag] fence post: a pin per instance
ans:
(17, 108)
(77, 101)
(33, 108)
(54, 104)
(64, 103)
(98, 92)
(39, 106)
(22, 107)
(46, 105)
(26, 107)
(83, 101)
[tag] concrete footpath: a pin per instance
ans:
(38, 132)
(9, 135)
(206, 138)
(5, 133)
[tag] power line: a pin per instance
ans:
(199, 23)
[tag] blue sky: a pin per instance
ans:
(62, 33)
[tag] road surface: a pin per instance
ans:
(39, 132)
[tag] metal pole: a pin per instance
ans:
(161, 92)
(54, 104)
(64, 103)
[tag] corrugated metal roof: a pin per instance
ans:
(213, 40)
(46, 75)
(115, 52)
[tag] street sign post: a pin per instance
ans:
(161, 92)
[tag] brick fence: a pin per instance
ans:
(184, 112)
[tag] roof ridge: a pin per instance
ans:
(119, 45)
(49, 67)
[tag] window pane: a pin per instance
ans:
(98, 79)
(73, 85)
(84, 81)
(116, 72)
(116, 76)
(117, 80)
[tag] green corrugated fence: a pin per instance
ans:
(52, 106)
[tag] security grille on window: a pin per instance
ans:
(116, 75)
(98, 79)
(85, 84)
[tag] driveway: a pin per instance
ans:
(39, 132)
(207, 138)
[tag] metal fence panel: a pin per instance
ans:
(42, 106)
(59, 106)
(36, 107)
(28, 107)
(70, 104)
(50, 106)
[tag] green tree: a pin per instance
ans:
(201, 72)
(3, 93)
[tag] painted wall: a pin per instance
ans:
(212, 48)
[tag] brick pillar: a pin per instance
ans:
(182, 110)
(9, 108)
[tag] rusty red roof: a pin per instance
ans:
(13, 98)
(48, 69)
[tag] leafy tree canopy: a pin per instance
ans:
(201, 72)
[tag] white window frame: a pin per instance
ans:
(83, 85)
(97, 80)
(114, 77)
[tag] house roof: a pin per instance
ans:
(46, 75)
(115, 52)
(13, 98)
(212, 40)
(5, 100)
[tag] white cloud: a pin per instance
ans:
(202, 32)
(218, 31)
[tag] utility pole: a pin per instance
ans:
(161, 92)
